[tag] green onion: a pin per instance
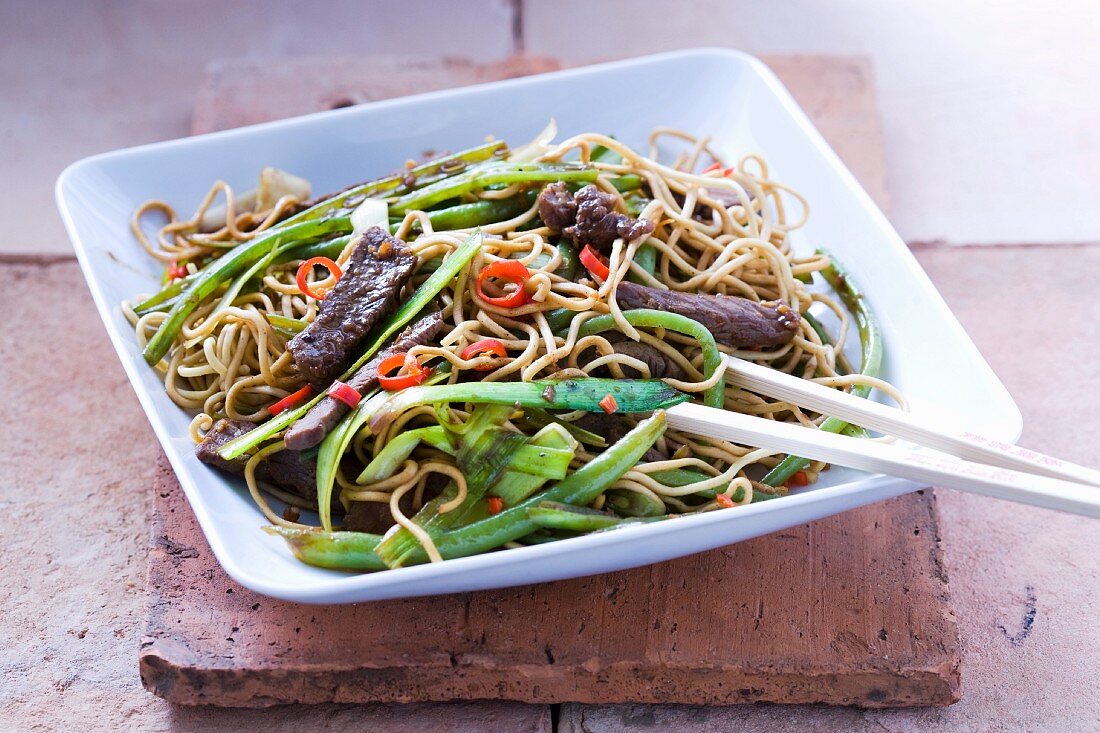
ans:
(478, 213)
(332, 450)
(541, 418)
(286, 325)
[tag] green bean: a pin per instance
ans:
(554, 515)
(569, 260)
(632, 395)
(333, 550)
(870, 340)
(167, 295)
(634, 503)
(559, 319)
(467, 216)
(488, 174)
(226, 267)
(647, 318)
(626, 182)
(397, 184)
(646, 259)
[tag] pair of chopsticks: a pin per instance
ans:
(962, 461)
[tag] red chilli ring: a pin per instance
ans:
(345, 393)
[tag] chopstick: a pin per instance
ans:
(926, 467)
(900, 424)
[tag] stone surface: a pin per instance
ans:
(848, 610)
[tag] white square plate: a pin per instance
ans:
(722, 93)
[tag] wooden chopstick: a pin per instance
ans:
(926, 467)
(900, 424)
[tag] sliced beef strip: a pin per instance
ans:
(312, 427)
(659, 364)
(557, 209)
(286, 469)
(733, 321)
(378, 268)
(589, 217)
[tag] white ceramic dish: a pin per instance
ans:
(722, 93)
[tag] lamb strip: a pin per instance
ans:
(734, 321)
(378, 268)
(312, 427)
(287, 469)
(589, 216)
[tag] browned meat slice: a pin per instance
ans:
(589, 217)
(733, 321)
(219, 434)
(287, 469)
(659, 364)
(312, 427)
(378, 268)
(557, 209)
(598, 224)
